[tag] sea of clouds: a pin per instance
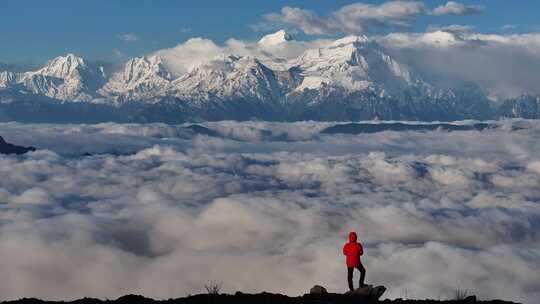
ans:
(109, 209)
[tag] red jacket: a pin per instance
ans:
(353, 250)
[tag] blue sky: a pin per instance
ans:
(34, 31)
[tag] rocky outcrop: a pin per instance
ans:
(368, 292)
(318, 289)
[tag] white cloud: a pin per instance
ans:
(361, 18)
(454, 28)
(309, 22)
(129, 37)
(451, 57)
(162, 204)
(196, 51)
(392, 13)
(456, 8)
(355, 18)
(189, 54)
(33, 196)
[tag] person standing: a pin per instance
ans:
(353, 250)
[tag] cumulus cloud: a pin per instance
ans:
(362, 18)
(354, 18)
(309, 22)
(456, 8)
(393, 13)
(189, 54)
(196, 51)
(173, 212)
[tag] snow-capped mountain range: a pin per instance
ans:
(349, 79)
(66, 78)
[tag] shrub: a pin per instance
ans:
(213, 288)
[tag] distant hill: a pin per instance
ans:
(6, 148)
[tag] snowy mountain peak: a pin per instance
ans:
(63, 66)
(141, 78)
(353, 63)
(346, 49)
(143, 67)
(66, 78)
(276, 38)
(351, 39)
(341, 51)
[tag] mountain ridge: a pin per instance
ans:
(351, 78)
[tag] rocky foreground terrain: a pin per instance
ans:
(267, 298)
(317, 295)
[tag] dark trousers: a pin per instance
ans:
(350, 271)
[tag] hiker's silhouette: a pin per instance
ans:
(353, 250)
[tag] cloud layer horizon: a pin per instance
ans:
(159, 213)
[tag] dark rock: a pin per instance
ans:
(6, 148)
(134, 299)
(318, 289)
(368, 292)
(377, 292)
